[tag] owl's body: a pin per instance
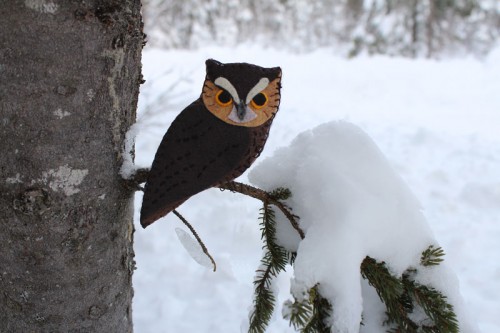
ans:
(215, 139)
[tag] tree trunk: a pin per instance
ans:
(69, 82)
(430, 23)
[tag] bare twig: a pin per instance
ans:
(141, 176)
(195, 234)
(264, 197)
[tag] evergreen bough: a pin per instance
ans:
(402, 295)
(273, 262)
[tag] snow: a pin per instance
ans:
(435, 125)
(193, 248)
(351, 204)
(128, 167)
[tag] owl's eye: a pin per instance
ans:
(259, 101)
(223, 98)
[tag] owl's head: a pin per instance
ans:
(241, 94)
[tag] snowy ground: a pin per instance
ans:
(438, 123)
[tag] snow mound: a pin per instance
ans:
(351, 204)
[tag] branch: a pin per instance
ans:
(141, 175)
(195, 234)
(273, 262)
(265, 197)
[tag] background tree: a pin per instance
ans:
(70, 75)
(415, 28)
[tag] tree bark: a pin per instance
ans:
(69, 82)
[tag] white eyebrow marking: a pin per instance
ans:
(225, 84)
(261, 85)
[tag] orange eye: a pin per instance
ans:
(259, 101)
(223, 98)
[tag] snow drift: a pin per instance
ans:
(351, 205)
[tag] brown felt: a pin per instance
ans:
(200, 151)
(210, 90)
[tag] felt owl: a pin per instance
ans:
(216, 138)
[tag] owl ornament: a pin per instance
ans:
(215, 139)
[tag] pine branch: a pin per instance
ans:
(432, 256)
(270, 198)
(275, 197)
(278, 255)
(280, 193)
(298, 313)
(274, 261)
(435, 306)
(321, 312)
(391, 291)
(402, 295)
(310, 314)
(263, 303)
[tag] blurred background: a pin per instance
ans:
(421, 77)
(409, 28)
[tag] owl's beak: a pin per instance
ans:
(241, 113)
(241, 110)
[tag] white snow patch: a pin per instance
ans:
(486, 196)
(65, 179)
(14, 180)
(61, 114)
(351, 205)
(193, 248)
(128, 167)
(42, 6)
(373, 310)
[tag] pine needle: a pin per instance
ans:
(402, 295)
(432, 256)
(273, 262)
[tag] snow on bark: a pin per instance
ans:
(128, 167)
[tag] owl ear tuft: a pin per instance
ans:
(277, 71)
(211, 63)
(212, 66)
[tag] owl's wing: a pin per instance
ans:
(198, 151)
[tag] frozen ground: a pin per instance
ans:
(438, 123)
